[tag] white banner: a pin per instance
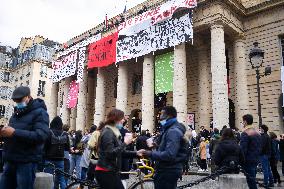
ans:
(64, 67)
(163, 35)
(81, 61)
(79, 45)
(154, 16)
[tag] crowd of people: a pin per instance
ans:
(102, 152)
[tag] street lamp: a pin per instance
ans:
(256, 57)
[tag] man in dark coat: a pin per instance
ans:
(171, 150)
(24, 140)
(251, 146)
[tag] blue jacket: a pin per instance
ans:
(251, 145)
(172, 147)
(31, 131)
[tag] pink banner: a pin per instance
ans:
(73, 95)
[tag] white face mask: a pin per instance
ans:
(163, 122)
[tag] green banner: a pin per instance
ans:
(164, 73)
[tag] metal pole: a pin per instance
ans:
(258, 98)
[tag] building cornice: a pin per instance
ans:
(263, 6)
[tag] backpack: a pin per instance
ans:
(57, 144)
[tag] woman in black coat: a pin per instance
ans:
(228, 151)
(111, 150)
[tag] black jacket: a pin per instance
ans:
(265, 145)
(31, 132)
(226, 152)
(281, 148)
(111, 150)
(141, 142)
(56, 151)
(172, 148)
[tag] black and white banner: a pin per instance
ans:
(79, 45)
(81, 62)
(163, 35)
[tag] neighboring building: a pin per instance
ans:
(28, 65)
(224, 33)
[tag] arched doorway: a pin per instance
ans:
(134, 121)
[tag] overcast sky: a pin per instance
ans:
(58, 20)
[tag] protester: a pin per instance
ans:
(171, 151)
(141, 142)
(265, 156)
(110, 151)
(24, 139)
(202, 153)
(228, 151)
(93, 146)
(251, 146)
(275, 157)
(86, 157)
(77, 149)
(204, 132)
(281, 148)
(187, 138)
(54, 151)
(67, 152)
(215, 139)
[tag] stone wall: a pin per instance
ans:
(266, 28)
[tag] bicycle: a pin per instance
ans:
(142, 181)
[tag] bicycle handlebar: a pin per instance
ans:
(144, 166)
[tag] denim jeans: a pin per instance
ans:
(18, 175)
(75, 164)
(250, 168)
(59, 179)
(167, 179)
(267, 174)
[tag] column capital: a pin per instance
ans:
(217, 25)
(239, 38)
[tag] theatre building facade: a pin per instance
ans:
(213, 82)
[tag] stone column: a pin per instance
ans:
(204, 88)
(122, 87)
(220, 102)
(148, 121)
(180, 83)
(73, 116)
(82, 103)
(65, 113)
(53, 100)
(90, 100)
(241, 90)
(100, 97)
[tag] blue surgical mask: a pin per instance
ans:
(119, 126)
(163, 122)
(21, 105)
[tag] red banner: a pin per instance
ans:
(103, 52)
(73, 95)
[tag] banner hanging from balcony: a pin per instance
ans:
(164, 73)
(154, 16)
(73, 94)
(103, 52)
(79, 45)
(163, 35)
(64, 67)
(81, 61)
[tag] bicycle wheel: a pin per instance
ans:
(144, 184)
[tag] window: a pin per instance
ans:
(282, 48)
(137, 84)
(115, 87)
(43, 70)
(41, 88)
(6, 77)
(2, 111)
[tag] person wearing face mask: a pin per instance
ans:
(110, 151)
(24, 139)
(171, 152)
